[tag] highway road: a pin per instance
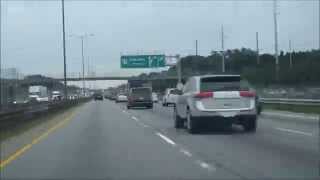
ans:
(103, 140)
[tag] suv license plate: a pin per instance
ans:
(228, 114)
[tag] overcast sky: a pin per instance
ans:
(31, 34)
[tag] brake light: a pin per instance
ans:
(247, 94)
(204, 95)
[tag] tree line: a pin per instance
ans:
(305, 69)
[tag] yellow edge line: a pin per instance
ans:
(36, 140)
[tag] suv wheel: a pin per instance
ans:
(250, 125)
(191, 123)
(178, 121)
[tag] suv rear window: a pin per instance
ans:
(174, 91)
(141, 91)
(233, 83)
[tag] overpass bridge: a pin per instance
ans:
(102, 78)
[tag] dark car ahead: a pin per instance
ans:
(140, 97)
(97, 96)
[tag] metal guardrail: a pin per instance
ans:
(16, 110)
(303, 102)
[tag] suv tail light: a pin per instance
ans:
(247, 94)
(202, 95)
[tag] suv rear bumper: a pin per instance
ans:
(220, 120)
(140, 104)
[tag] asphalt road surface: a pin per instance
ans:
(103, 140)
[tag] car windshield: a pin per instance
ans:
(159, 89)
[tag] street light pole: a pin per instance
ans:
(82, 37)
(0, 56)
(64, 52)
(276, 38)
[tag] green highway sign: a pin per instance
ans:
(142, 61)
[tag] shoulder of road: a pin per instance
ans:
(291, 115)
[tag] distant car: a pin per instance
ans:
(140, 97)
(121, 98)
(56, 96)
(155, 97)
(97, 96)
(170, 97)
(218, 99)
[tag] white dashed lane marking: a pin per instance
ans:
(134, 118)
(185, 152)
(144, 125)
(205, 165)
(168, 140)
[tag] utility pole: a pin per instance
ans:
(222, 49)
(179, 69)
(276, 38)
(257, 43)
(82, 55)
(64, 52)
(89, 72)
(196, 47)
(290, 55)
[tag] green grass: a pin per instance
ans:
(293, 108)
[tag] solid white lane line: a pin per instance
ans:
(185, 152)
(168, 140)
(205, 165)
(294, 131)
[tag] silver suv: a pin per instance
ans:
(216, 99)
